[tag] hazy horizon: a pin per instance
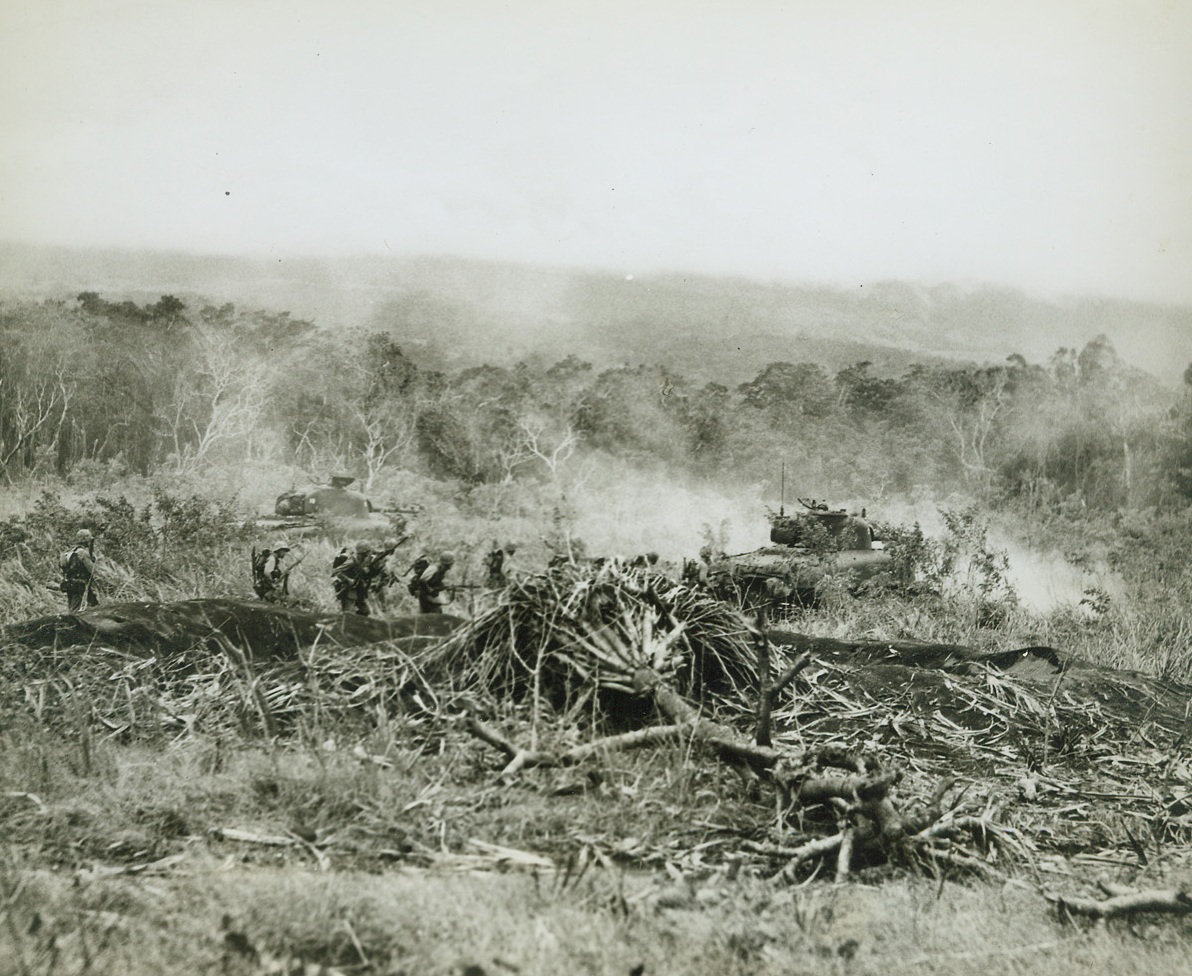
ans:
(725, 328)
(329, 261)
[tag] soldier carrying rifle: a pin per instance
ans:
(269, 581)
(78, 571)
(431, 586)
(350, 571)
(378, 576)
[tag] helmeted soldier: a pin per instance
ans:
(78, 571)
(350, 577)
(269, 581)
(644, 561)
(433, 590)
(498, 566)
(379, 573)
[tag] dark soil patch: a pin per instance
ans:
(259, 630)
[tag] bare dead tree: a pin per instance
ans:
(537, 444)
(973, 425)
(218, 401)
(37, 412)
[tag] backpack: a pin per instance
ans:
(421, 564)
(72, 567)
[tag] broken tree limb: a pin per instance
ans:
(868, 789)
(1169, 901)
(767, 690)
(724, 740)
(842, 757)
(820, 789)
(518, 757)
(779, 686)
(844, 856)
(815, 848)
(524, 758)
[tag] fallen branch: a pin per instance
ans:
(844, 856)
(248, 837)
(1125, 902)
(524, 758)
(720, 737)
(815, 848)
(851, 784)
(779, 686)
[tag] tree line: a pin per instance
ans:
(167, 386)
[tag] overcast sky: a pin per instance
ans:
(1045, 144)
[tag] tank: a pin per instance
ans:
(334, 509)
(805, 548)
(335, 498)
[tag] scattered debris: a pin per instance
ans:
(930, 757)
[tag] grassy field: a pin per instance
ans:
(197, 836)
(190, 856)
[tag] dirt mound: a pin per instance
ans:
(893, 668)
(259, 630)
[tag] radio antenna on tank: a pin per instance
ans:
(782, 492)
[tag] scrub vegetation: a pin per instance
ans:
(322, 815)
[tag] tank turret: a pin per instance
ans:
(817, 527)
(334, 507)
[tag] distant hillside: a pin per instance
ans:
(461, 312)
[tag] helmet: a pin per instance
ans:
(84, 535)
(281, 547)
(447, 558)
(511, 547)
(391, 543)
(361, 547)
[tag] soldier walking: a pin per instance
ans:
(498, 566)
(269, 581)
(431, 586)
(350, 572)
(379, 573)
(78, 571)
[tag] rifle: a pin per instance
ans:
(376, 565)
(283, 581)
